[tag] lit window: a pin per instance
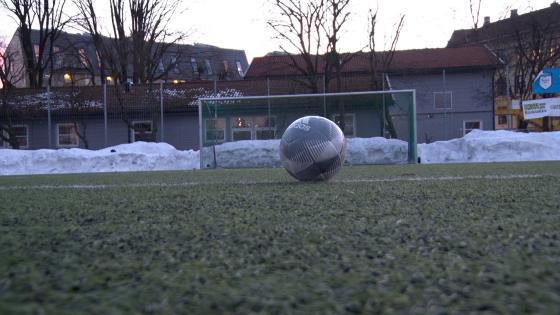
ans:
(194, 65)
(208, 67)
(226, 66)
(239, 68)
(20, 133)
(348, 128)
(67, 135)
(215, 130)
(241, 128)
(443, 100)
(253, 128)
(142, 131)
(470, 125)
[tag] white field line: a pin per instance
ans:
(372, 180)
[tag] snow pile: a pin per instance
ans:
(138, 156)
(477, 146)
(493, 146)
(376, 151)
(247, 153)
(265, 153)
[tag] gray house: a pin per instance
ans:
(454, 87)
(454, 95)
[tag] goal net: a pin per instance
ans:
(230, 126)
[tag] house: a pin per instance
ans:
(454, 86)
(75, 62)
(535, 34)
(453, 93)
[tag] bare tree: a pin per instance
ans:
(140, 36)
(475, 12)
(88, 21)
(47, 18)
(336, 17)
(300, 28)
(152, 39)
(535, 48)
(10, 75)
(379, 64)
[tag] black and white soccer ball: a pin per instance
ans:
(313, 148)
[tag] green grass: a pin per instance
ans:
(482, 238)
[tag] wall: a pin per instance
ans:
(472, 99)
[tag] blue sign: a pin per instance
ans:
(547, 81)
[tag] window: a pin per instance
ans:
(348, 128)
(226, 66)
(194, 65)
(209, 70)
(67, 135)
(241, 128)
(215, 130)
(253, 128)
(160, 67)
(98, 59)
(36, 50)
(142, 131)
(501, 87)
(239, 68)
(502, 120)
(265, 127)
(20, 132)
(57, 57)
(83, 57)
(470, 125)
(443, 100)
(175, 68)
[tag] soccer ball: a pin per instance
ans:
(312, 148)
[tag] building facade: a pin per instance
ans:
(74, 61)
(454, 95)
(525, 44)
(454, 86)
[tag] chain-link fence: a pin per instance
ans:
(95, 117)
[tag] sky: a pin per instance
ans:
(241, 24)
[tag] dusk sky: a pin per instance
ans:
(241, 24)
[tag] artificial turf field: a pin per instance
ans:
(413, 239)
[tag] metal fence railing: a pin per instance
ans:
(94, 117)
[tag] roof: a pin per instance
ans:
(547, 18)
(417, 60)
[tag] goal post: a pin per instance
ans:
(226, 121)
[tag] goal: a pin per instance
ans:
(222, 120)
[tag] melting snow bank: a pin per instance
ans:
(265, 153)
(138, 156)
(493, 146)
(247, 153)
(477, 146)
(376, 151)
